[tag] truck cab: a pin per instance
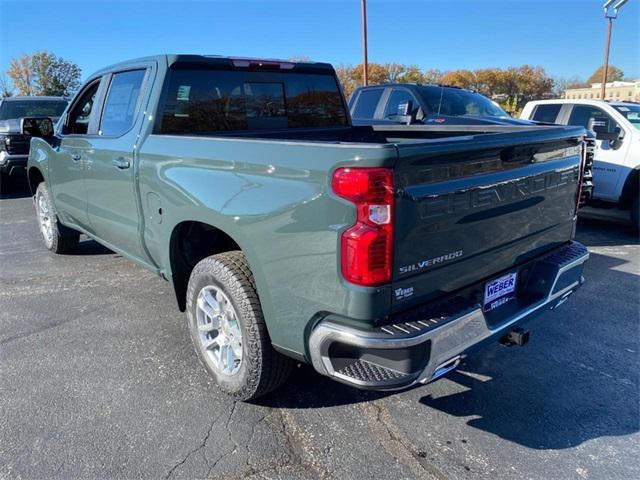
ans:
(617, 158)
(412, 103)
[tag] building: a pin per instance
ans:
(616, 91)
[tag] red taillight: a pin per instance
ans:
(367, 247)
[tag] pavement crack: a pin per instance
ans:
(200, 447)
(235, 443)
(393, 441)
(298, 447)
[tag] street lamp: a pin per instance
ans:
(365, 65)
(610, 13)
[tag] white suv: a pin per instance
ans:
(616, 167)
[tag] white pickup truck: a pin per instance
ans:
(616, 166)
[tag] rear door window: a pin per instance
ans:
(120, 106)
(202, 100)
(546, 113)
(367, 102)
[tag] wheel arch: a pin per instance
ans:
(191, 241)
(631, 188)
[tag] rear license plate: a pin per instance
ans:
(499, 291)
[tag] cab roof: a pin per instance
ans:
(172, 59)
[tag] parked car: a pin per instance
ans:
(413, 103)
(616, 166)
(14, 147)
(378, 254)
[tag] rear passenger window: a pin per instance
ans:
(367, 102)
(546, 113)
(209, 100)
(120, 107)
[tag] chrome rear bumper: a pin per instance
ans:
(399, 355)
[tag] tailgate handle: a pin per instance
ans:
(120, 163)
(75, 156)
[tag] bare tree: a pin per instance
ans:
(5, 88)
(22, 76)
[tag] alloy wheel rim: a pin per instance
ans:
(219, 330)
(44, 215)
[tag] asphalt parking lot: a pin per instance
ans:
(98, 379)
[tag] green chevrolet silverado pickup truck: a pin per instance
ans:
(378, 254)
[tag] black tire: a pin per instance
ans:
(262, 369)
(60, 239)
(635, 214)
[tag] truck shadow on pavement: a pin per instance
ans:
(307, 389)
(14, 186)
(605, 234)
(576, 381)
(89, 246)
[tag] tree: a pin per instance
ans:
(345, 76)
(55, 75)
(5, 88)
(412, 74)
(377, 74)
(460, 78)
(613, 74)
(561, 85)
(432, 75)
(395, 71)
(43, 73)
(21, 74)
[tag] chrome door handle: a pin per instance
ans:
(121, 163)
(75, 156)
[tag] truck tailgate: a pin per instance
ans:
(469, 208)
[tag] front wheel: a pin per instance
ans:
(228, 330)
(57, 237)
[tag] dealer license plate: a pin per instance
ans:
(499, 291)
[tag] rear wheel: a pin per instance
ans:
(57, 237)
(228, 330)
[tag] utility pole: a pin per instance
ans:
(365, 63)
(610, 14)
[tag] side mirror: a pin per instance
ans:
(406, 108)
(603, 128)
(36, 127)
(406, 113)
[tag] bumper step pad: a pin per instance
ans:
(366, 372)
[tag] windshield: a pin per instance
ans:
(458, 102)
(31, 108)
(631, 113)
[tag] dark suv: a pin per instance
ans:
(14, 147)
(412, 103)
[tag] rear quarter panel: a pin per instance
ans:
(274, 199)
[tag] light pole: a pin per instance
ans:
(365, 64)
(610, 13)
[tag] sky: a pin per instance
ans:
(566, 37)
